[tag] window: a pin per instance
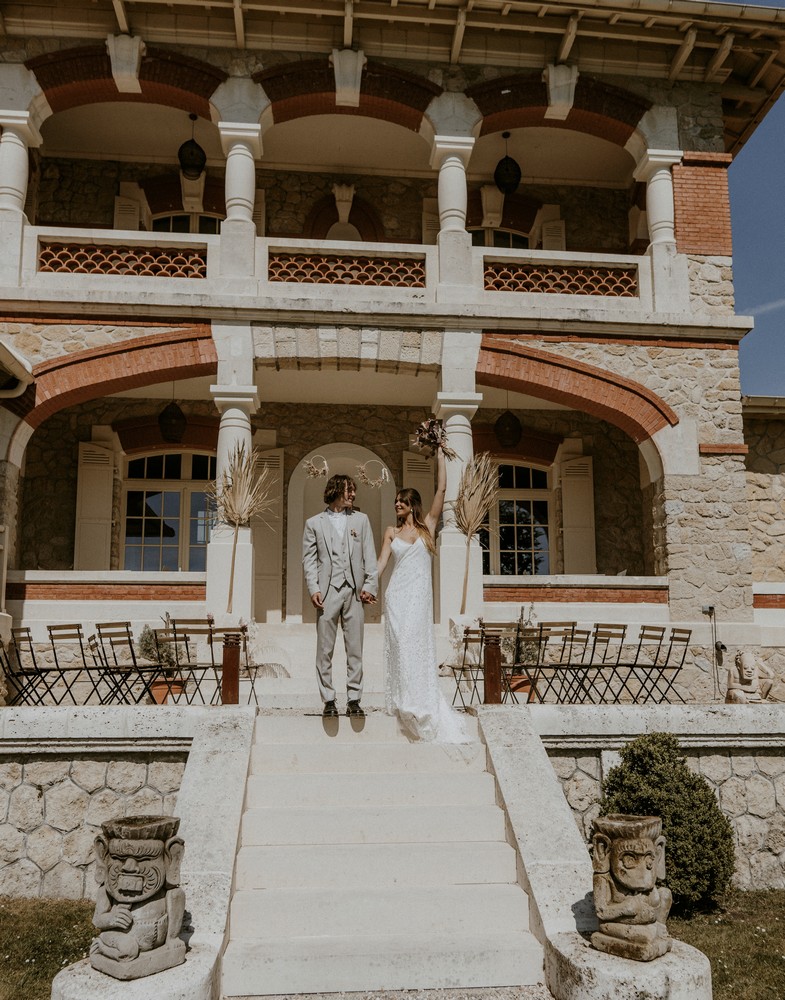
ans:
(187, 223)
(504, 238)
(515, 539)
(166, 514)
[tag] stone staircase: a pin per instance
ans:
(371, 863)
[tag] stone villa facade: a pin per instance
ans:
(344, 265)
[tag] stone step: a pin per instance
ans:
(354, 912)
(330, 964)
(383, 865)
(352, 790)
(364, 756)
(377, 726)
(383, 824)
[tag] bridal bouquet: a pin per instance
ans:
(430, 436)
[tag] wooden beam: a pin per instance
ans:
(683, 54)
(763, 64)
(719, 57)
(568, 39)
(348, 23)
(239, 24)
(457, 35)
(122, 17)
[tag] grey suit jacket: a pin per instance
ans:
(318, 559)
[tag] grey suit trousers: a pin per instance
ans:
(344, 606)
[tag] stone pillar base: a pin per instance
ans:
(12, 228)
(238, 249)
(455, 267)
(452, 567)
(219, 569)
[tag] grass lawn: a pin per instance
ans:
(37, 938)
(745, 944)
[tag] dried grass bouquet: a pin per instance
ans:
(430, 436)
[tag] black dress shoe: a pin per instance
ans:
(329, 711)
(353, 708)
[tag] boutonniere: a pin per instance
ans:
(354, 533)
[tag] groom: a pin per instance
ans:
(339, 559)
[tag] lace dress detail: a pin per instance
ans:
(411, 672)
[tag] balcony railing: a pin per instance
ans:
(341, 276)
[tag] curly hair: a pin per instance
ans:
(336, 486)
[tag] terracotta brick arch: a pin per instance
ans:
(304, 88)
(521, 101)
(79, 76)
(632, 407)
(76, 378)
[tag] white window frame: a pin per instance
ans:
(494, 523)
(185, 486)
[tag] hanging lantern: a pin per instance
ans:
(191, 157)
(508, 430)
(172, 423)
(507, 175)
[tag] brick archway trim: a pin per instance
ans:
(130, 364)
(623, 402)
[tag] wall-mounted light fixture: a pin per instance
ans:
(191, 156)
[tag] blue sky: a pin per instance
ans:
(757, 192)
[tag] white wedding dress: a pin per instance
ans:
(411, 672)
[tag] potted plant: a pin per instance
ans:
(165, 656)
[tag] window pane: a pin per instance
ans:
(197, 560)
(519, 242)
(171, 504)
(541, 538)
(133, 527)
(486, 562)
(136, 468)
(542, 563)
(153, 500)
(522, 477)
(539, 479)
(540, 510)
(151, 559)
(524, 538)
(134, 503)
(169, 560)
(524, 563)
(133, 557)
(501, 239)
(172, 466)
(181, 224)
(478, 237)
(213, 467)
(523, 511)
(199, 467)
(507, 563)
(155, 467)
(208, 224)
(506, 538)
(506, 511)
(506, 477)
(162, 225)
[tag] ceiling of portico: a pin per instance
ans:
(340, 387)
(335, 143)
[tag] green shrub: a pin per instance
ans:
(653, 780)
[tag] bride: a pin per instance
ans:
(411, 671)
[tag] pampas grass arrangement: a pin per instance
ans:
(477, 493)
(243, 493)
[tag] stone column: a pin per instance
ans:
(456, 409)
(450, 155)
(18, 134)
(242, 144)
(670, 283)
(236, 403)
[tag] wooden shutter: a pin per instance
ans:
(268, 545)
(127, 213)
(418, 474)
(553, 235)
(430, 221)
(259, 212)
(93, 540)
(577, 485)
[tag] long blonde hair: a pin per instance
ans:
(413, 498)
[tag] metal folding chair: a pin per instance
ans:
(128, 681)
(678, 644)
(71, 665)
(602, 681)
(27, 680)
(469, 670)
(646, 666)
(554, 675)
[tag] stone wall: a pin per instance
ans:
(711, 284)
(749, 786)
(765, 465)
(51, 809)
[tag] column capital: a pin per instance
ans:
(652, 160)
(23, 123)
(448, 404)
(242, 397)
(451, 145)
(249, 135)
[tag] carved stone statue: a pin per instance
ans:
(749, 682)
(139, 909)
(629, 861)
